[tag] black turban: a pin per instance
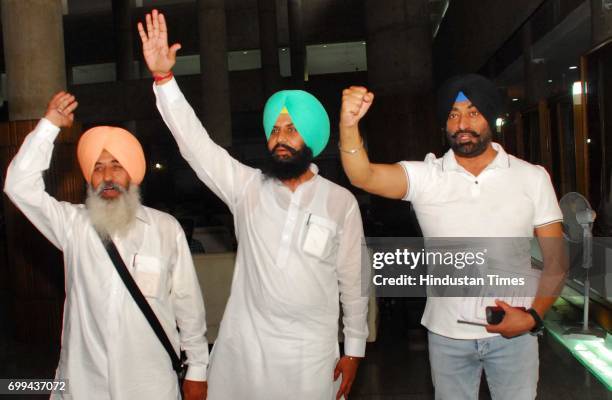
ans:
(479, 90)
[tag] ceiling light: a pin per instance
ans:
(515, 99)
(577, 93)
(499, 122)
(573, 67)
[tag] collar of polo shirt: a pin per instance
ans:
(501, 160)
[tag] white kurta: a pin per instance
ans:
(298, 255)
(109, 351)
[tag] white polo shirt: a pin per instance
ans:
(509, 198)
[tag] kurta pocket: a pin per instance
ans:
(148, 274)
(319, 237)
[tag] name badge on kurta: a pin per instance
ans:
(148, 274)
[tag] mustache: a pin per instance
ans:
(109, 185)
(473, 133)
(284, 146)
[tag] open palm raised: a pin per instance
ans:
(60, 110)
(159, 57)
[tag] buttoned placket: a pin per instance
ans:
(475, 189)
(119, 289)
(480, 179)
(475, 182)
(291, 221)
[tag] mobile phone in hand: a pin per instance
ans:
(495, 314)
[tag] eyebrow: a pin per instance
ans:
(278, 126)
(470, 106)
(111, 161)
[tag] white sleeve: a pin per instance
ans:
(189, 310)
(354, 301)
(25, 186)
(416, 175)
(547, 208)
(224, 175)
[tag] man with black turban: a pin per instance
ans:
(475, 190)
(299, 247)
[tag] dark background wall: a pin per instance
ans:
(473, 30)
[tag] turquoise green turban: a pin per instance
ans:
(306, 112)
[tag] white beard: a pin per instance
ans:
(112, 216)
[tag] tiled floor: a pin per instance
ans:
(396, 367)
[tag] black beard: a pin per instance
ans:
(289, 167)
(470, 149)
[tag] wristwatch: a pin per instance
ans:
(539, 324)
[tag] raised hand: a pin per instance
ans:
(356, 101)
(60, 110)
(159, 58)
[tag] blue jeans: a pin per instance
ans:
(511, 367)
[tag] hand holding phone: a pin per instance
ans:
(495, 314)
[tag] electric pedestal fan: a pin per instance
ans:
(578, 218)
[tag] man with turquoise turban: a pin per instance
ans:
(299, 248)
(289, 109)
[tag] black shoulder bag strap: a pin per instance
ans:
(144, 306)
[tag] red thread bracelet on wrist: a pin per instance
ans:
(158, 78)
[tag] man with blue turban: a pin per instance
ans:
(299, 247)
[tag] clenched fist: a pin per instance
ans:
(356, 101)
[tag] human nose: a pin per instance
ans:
(108, 174)
(463, 123)
(282, 135)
